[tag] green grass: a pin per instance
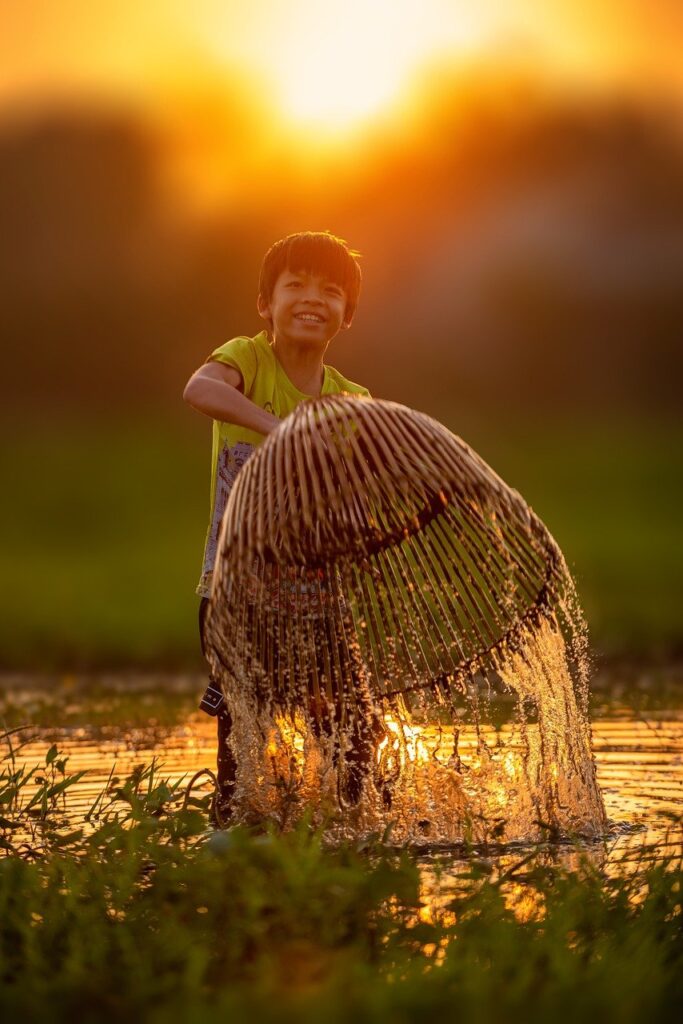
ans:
(611, 495)
(102, 530)
(102, 548)
(142, 914)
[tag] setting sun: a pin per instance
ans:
(333, 67)
(340, 67)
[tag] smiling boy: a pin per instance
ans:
(308, 292)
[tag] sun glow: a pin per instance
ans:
(343, 64)
(332, 66)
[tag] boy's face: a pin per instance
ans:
(305, 308)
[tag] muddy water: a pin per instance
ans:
(639, 768)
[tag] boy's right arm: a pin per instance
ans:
(216, 390)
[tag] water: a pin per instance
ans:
(639, 762)
(398, 639)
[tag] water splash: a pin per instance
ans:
(398, 638)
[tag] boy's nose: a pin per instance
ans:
(313, 292)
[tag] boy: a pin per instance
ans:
(308, 292)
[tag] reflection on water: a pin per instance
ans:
(639, 767)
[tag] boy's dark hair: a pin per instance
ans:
(318, 252)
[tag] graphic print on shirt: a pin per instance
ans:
(230, 461)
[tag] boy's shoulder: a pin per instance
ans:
(242, 343)
(251, 357)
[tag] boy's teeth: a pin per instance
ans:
(310, 316)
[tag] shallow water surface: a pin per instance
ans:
(639, 757)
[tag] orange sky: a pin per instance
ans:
(140, 50)
(237, 87)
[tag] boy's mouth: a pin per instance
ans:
(310, 318)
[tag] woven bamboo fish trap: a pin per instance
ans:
(368, 555)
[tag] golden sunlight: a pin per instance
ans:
(339, 65)
(341, 69)
(333, 66)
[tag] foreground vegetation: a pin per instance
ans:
(142, 912)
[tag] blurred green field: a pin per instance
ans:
(102, 530)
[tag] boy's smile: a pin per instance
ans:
(305, 308)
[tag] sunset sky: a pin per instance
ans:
(323, 62)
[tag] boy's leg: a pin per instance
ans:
(365, 732)
(213, 703)
(363, 726)
(226, 766)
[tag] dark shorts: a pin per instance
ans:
(213, 701)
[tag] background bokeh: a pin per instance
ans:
(513, 176)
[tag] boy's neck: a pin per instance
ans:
(303, 365)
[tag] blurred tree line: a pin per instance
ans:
(530, 259)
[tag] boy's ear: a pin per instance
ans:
(263, 307)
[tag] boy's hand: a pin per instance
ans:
(216, 390)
